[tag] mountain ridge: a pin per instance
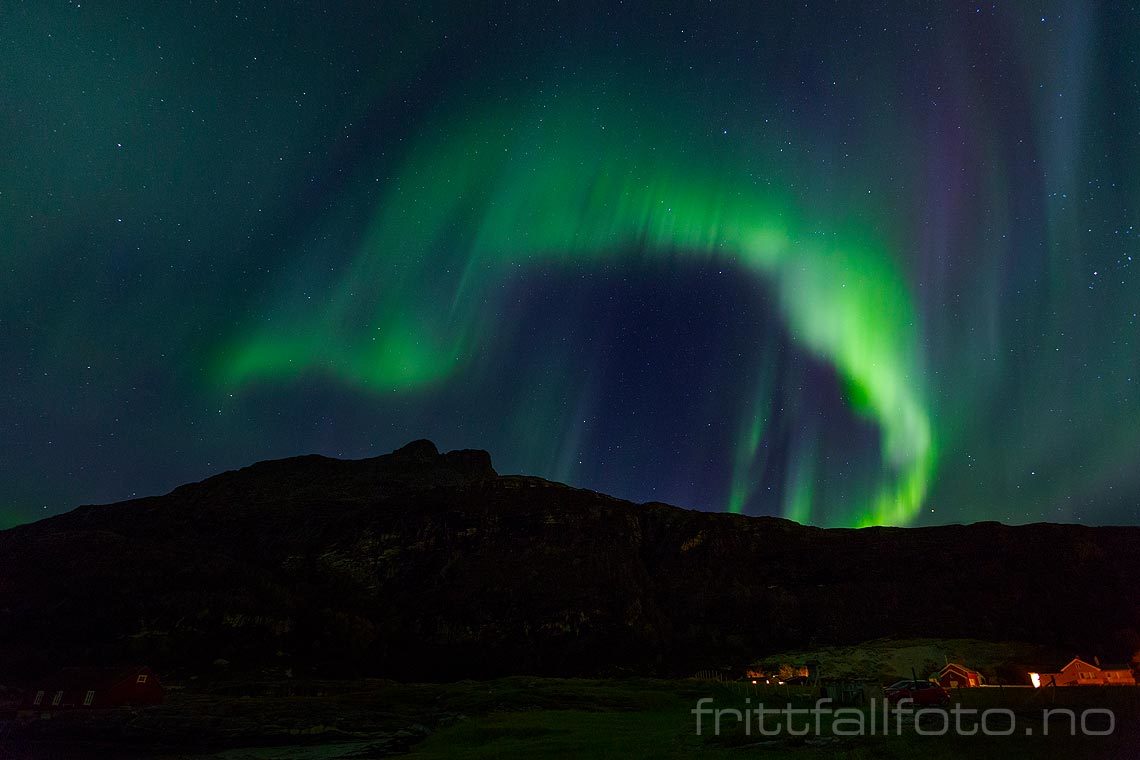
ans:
(427, 565)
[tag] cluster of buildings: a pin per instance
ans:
(1076, 672)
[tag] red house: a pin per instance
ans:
(94, 688)
(955, 676)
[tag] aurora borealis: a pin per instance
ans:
(850, 266)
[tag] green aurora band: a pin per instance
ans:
(571, 181)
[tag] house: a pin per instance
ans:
(1078, 672)
(93, 688)
(955, 676)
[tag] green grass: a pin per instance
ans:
(653, 720)
(560, 718)
(562, 733)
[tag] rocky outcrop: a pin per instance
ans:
(422, 565)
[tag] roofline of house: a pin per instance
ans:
(1080, 660)
(962, 668)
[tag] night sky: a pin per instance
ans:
(848, 263)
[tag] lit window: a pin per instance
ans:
(39, 700)
(89, 698)
(56, 699)
(141, 679)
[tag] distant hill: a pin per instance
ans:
(891, 659)
(421, 565)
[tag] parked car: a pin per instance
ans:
(923, 693)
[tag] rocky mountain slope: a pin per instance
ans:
(421, 565)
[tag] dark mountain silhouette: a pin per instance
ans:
(422, 565)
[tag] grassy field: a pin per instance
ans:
(653, 719)
(543, 717)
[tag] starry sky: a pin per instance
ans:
(847, 263)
